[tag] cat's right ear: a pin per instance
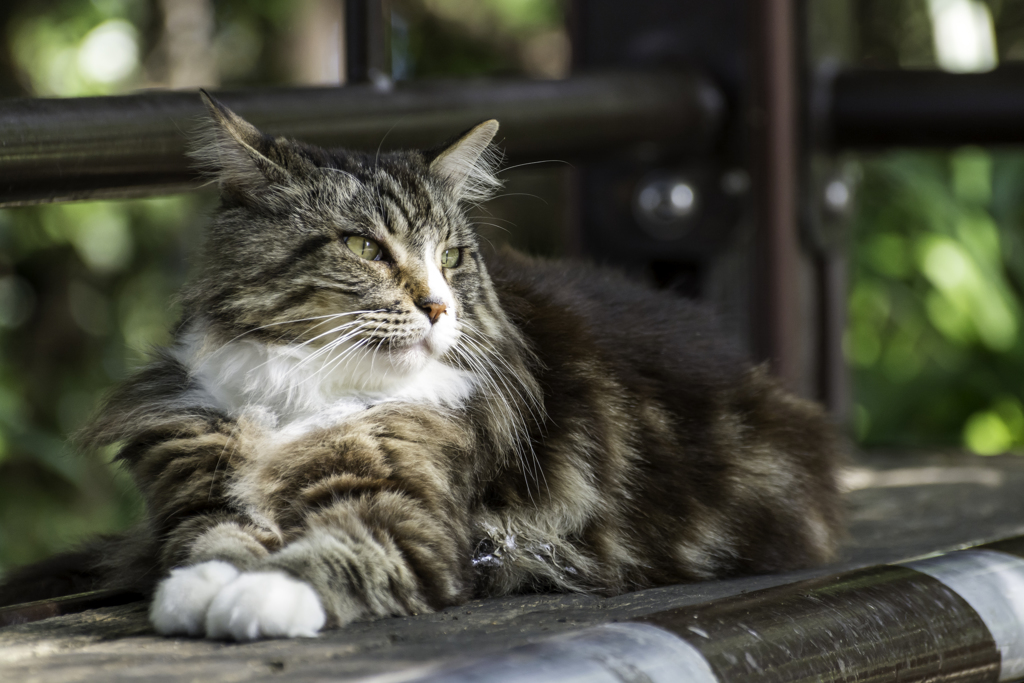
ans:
(467, 163)
(235, 153)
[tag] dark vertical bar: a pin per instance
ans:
(356, 41)
(367, 40)
(824, 226)
(834, 383)
(576, 16)
(774, 144)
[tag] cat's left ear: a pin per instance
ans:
(236, 153)
(469, 163)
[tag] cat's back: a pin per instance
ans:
(578, 312)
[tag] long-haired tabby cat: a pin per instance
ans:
(361, 416)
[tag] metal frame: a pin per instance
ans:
(775, 169)
(82, 148)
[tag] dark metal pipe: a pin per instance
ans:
(59, 150)
(367, 40)
(776, 323)
(954, 618)
(357, 51)
(874, 109)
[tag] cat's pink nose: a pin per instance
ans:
(434, 309)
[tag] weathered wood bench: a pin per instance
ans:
(901, 507)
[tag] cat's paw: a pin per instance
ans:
(182, 599)
(265, 605)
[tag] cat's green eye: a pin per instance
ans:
(363, 248)
(451, 257)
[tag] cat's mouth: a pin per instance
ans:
(412, 346)
(429, 345)
(426, 345)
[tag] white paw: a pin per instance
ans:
(265, 605)
(183, 598)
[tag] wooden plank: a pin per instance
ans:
(901, 507)
(72, 604)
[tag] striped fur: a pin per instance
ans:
(556, 428)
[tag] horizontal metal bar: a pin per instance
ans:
(66, 149)
(59, 150)
(952, 618)
(874, 109)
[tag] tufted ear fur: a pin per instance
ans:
(236, 154)
(468, 164)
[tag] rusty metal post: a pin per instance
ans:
(775, 170)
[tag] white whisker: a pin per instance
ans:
(495, 370)
(534, 163)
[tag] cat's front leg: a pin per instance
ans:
(346, 567)
(211, 547)
(375, 527)
(220, 592)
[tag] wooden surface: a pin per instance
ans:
(902, 507)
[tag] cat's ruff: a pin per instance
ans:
(294, 388)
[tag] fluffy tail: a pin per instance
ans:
(54, 577)
(122, 561)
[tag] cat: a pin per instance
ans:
(362, 416)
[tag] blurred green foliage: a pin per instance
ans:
(935, 310)
(74, 48)
(935, 336)
(85, 290)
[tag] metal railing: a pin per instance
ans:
(104, 147)
(874, 109)
(79, 148)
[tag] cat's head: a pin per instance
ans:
(323, 247)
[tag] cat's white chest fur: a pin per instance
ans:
(295, 389)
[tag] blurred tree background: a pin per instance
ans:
(935, 335)
(935, 338)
